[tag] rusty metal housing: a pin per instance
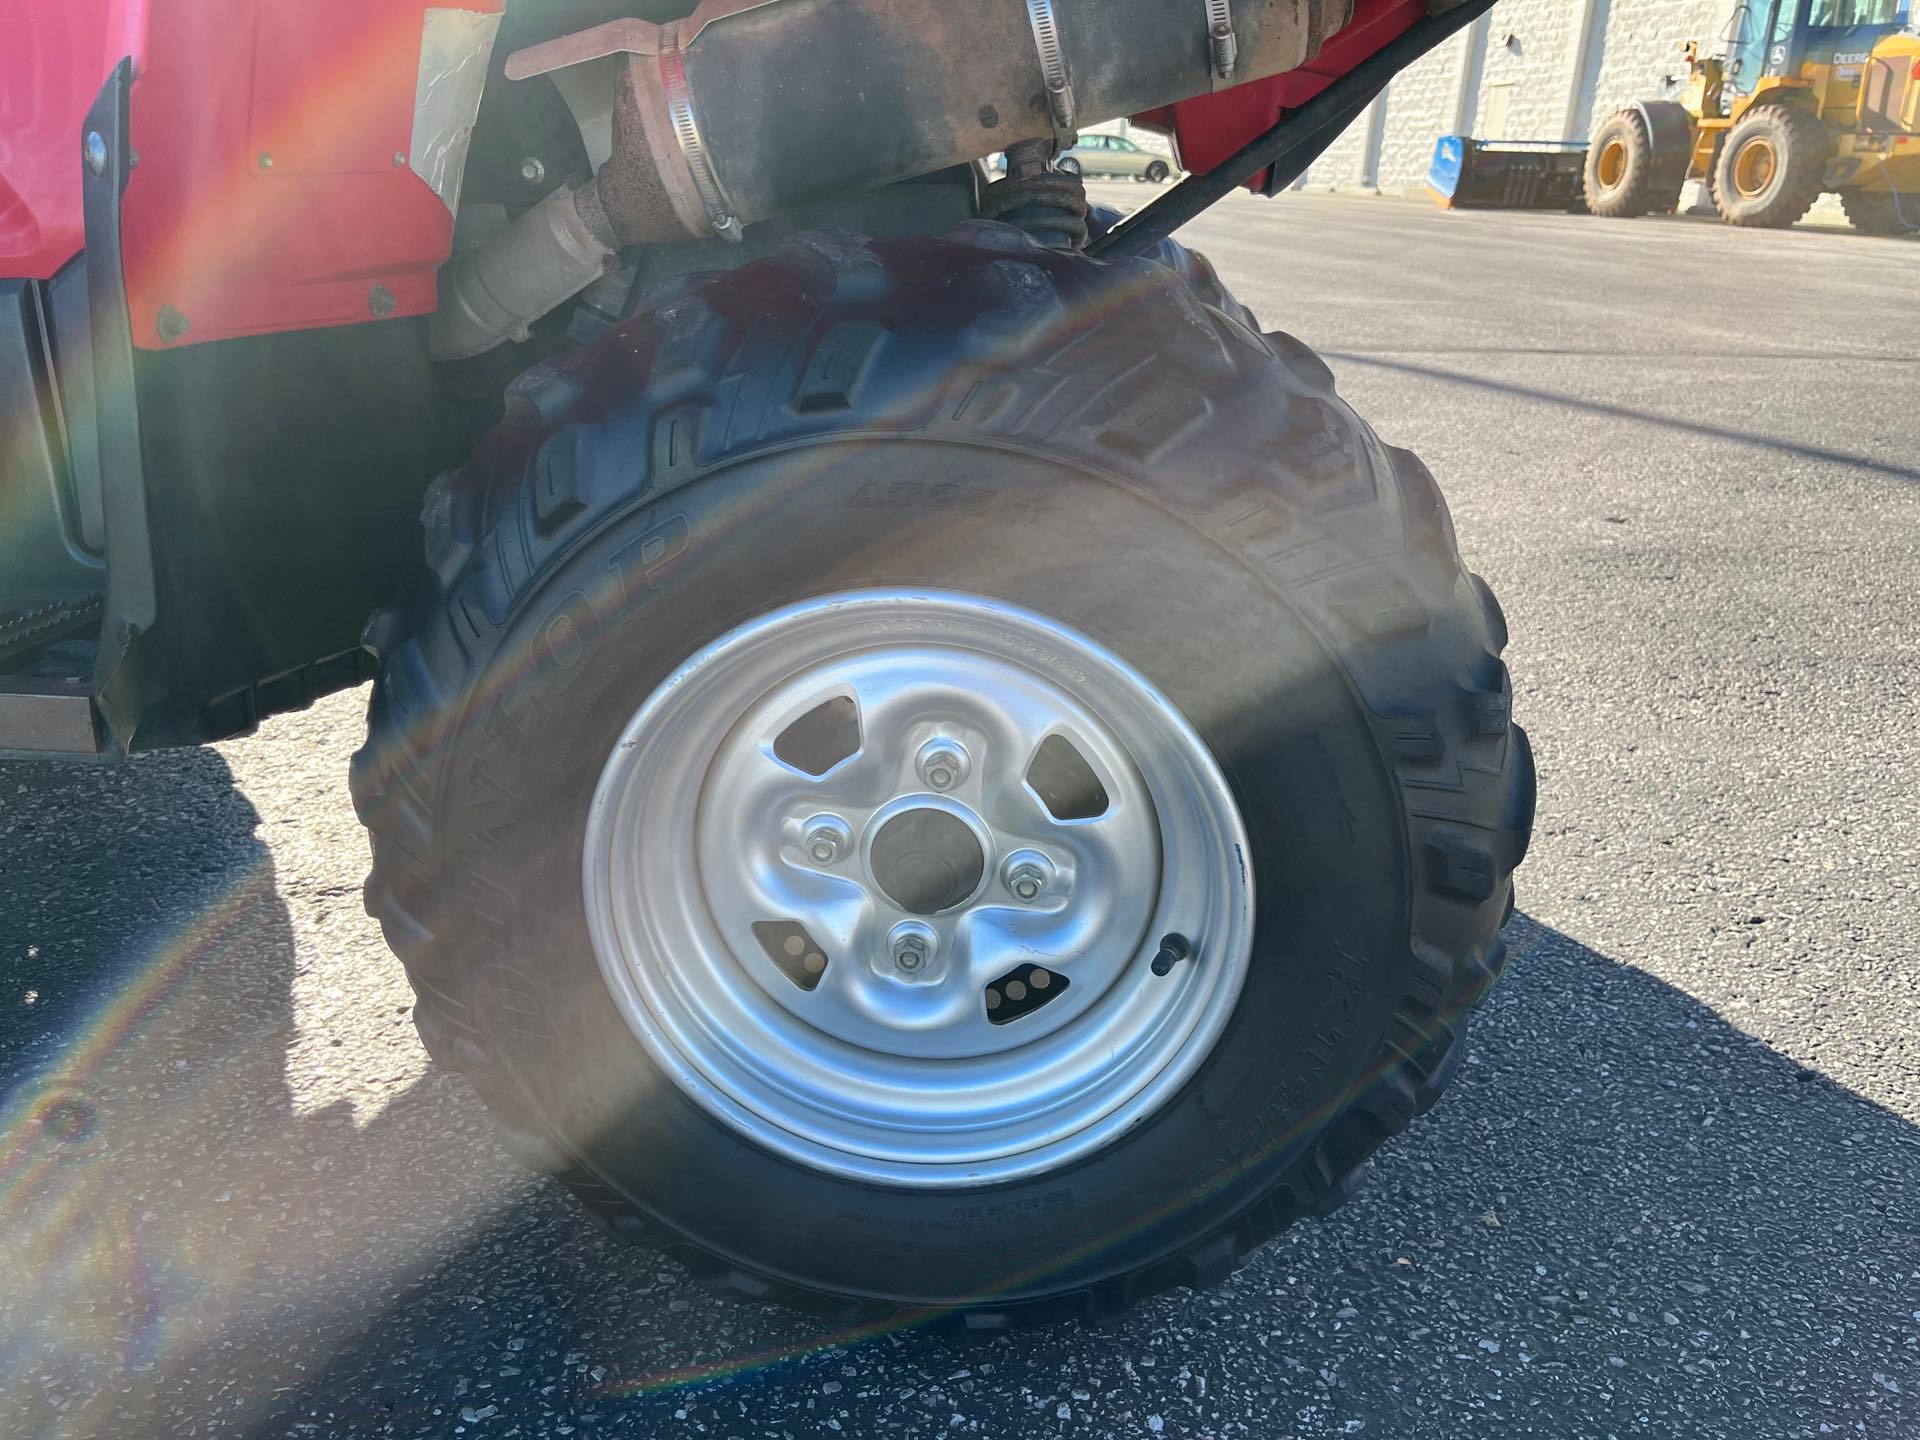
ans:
(747, 108)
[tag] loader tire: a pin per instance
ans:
(1771, 167)
(1713, 176)
(804, 524)
(1618, 178)
(1881, 212)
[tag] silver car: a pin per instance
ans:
(1115, 155)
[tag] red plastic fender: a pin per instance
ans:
(284, 200)
(54, 58)
(1209, 128)
(272, 189)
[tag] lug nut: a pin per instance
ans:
(1027, 875)
(912, 946)
(826, 839)
(942, 764)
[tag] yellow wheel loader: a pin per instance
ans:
(1806, 96)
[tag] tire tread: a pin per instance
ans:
(1357, 532)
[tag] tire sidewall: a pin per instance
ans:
(1797, 170)
(1628, 197)
(1764, 127)
(1872, 212)
(591, 642)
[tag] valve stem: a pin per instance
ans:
(1173, 949)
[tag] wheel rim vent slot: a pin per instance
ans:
(822, 737)
(1065, 782)
(1021, 991)
(799, 957)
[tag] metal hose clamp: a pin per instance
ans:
(1053, 64)
(673, 81)
(1223, 47)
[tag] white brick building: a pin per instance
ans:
(1527, 70)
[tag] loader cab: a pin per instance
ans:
(1761, 40)
(1826, 45)
(1838, 46)
(1830, 35)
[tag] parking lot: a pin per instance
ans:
(1675, 1191)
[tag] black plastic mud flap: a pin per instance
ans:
(53, 584)
(1670, 129)
(130, 603)
(66, 366)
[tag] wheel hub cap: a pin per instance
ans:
(878, 880)
(1753, 168)
(1613, 164)
(926, 861)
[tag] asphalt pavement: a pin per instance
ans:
(1674, 1193)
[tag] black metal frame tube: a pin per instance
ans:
(1291, 145)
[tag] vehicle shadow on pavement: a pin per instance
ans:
(145, 963)
(190, 1211)
(1693, 428)
(1627, 1217)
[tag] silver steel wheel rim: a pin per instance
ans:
(699, 830)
